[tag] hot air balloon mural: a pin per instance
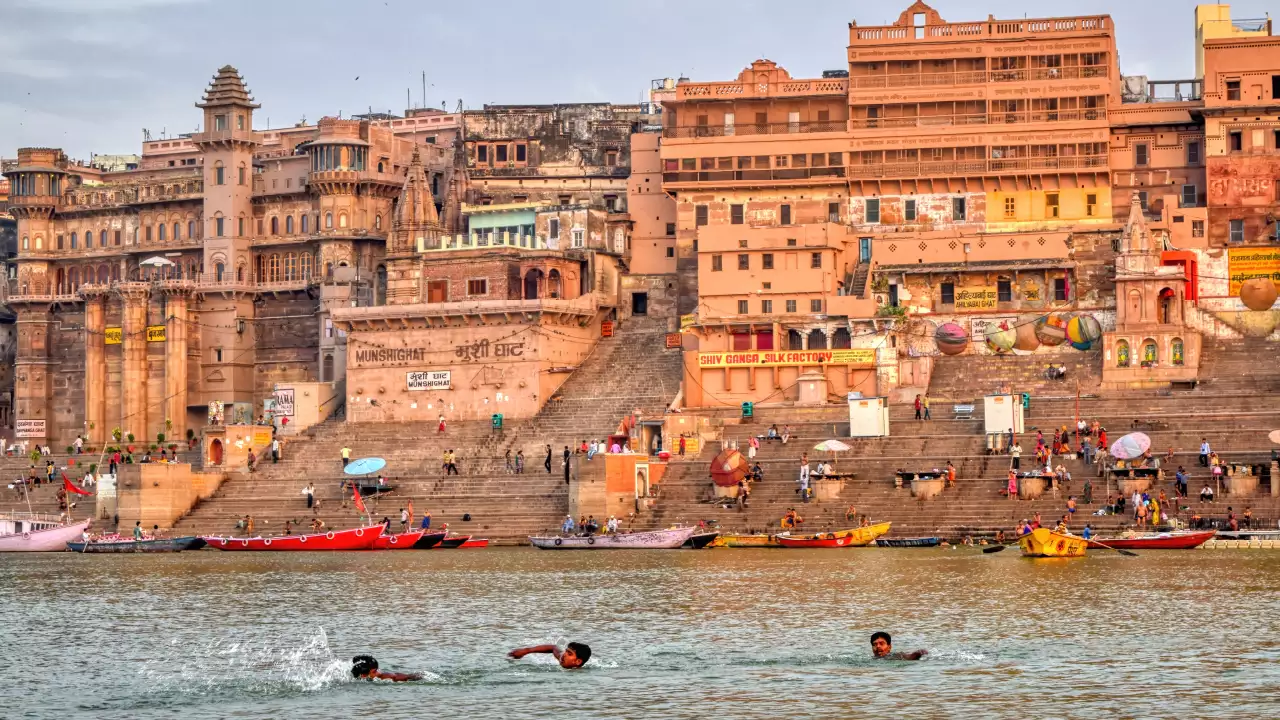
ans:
(1051, 329)
(951, 338)
(1083, 331)
(1258, 293)
(1026, 334)
(1001, 336)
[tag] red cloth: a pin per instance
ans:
(410, 513)
(359, 501)
(72, 487)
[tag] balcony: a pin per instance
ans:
(602, 171)
(706, 131)
(969, 168)
(821, 174)
(947, 32)
(996, 118)
(476, 241)
(751, 89)
(224, 136)
(978, 77)
(585, 306)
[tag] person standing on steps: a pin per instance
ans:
(346, 455)
(1015, 456)
(919, 407)
(1204, 452)
(275, 451)
(547, 462)
(440, 427)
(566, 464)
(520, 462)
(925, 402)
(453, 462)
(507, 456)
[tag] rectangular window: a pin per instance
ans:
(117, 237)
(482, 153)
(1275, 139)
(219, 176)
(766, 308)
(500, 153)
(521, 153)
(1059, 289)
(478, 287)
(1010, 207)
(240, 174)
(217, 354)
(1004, 291)
(957, 208)
(791, 306)
(735, 215)
(1091, 204)
(767, 260)
(741, 340)
(611, 158)
(815, 260)
(744, 262)
(1197, 228)
(833, 212)
(1193, 152)
(217, 226)
(764, 338)
(1275, 87)
(1051, 209)
(742, 310)
(948, 293)
(1141, 153)
(873, 211)
(219, 122)
(815, 306)
(785, 214)
(1237, 231)
(671, 229)
(1236, 139)
(579, 237)
(1233, 89)
(611, 203)
(671, 252)
(700, 215)
(1142, 199)
(791, 242)
(553, 228)
(909, 210)
(717, 263)
(1188, 196)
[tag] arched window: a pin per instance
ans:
(160, 232)
(275, 225)
(328, 220)
(1149, 353)
(377, 222)
(288, 225)
(380, 286)
(305, 266)
(218, 270)
(73, 241)
(115, 273)
(239, 273)
(191, 229)
(39, 242)
(1122, 353)
(305, 224)
(219, 174)
(328, 271)
(241, 174)
(61, 281)
(177, 232)
(273, 268)
(74, 281)
(342, 220)
(290, 266)
(379, 166)
(26, 243)
(104, 275)
(102, 239)
(817, 340)
(840, 340)
(1177, 352)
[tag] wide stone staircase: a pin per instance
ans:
(964, 378)
(629, 371)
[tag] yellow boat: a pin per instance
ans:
(1044, 543)
(858, 537)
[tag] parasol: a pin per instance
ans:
(831, 446)
(1274, 437)
(364, 466)
(1130, 446)
(728, 468)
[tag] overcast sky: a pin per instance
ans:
(88, 75)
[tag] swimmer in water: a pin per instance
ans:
(365, 667)
(882, 648)
(574, 655)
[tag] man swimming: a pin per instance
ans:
(365, 667)
(882, 648)
(574, 655)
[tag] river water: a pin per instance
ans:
(677, 634)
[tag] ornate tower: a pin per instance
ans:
(415, 224)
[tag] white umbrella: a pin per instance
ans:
(157, 261)
(831, 446)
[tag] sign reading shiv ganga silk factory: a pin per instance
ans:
(863, 357)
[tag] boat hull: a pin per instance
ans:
(475, 543)
(1167, 541)
(403, 541)
(655, 540)
(751, 541)
(139, 546)
(455, 541)
(853, 537)
(1045, 543)
(429, 540)
(701, 540)
(48, 540)
(361, 538)
(909, 542)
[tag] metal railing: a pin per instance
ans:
(787, 128)
(978, 77)
(992, 118)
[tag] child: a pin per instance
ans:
(574, 655)
(365, 667)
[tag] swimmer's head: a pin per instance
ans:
(575, 655)
(363, 666)
(881, 644)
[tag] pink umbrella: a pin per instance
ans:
(1130, 446)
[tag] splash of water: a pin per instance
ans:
(264, 664)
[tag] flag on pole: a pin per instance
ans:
(72, 487)
(410, 513)
(359, 501)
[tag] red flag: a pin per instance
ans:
(359, 501)
(410, 513)
(72, 487)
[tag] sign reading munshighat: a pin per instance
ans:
(428, 380)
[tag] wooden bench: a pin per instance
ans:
(963, 411)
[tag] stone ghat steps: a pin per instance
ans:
(43, 500)
(1246, 364)
(966, 375)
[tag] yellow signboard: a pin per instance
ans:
(261, 437)
(114, 336)
(687, 321)
(863, 357)
(155, 333)
(1248, 263)
(981, 297)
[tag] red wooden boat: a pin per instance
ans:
(475, 543)
(403, 541)
(361, 538)
(815, 542)
(429, 540)
(453, 541)
(1163, 541)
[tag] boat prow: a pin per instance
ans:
(1161, 541)
(403, 541)
(46, 539)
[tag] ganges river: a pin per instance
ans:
(675, 634)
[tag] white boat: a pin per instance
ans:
(655, 540)
(35, 533)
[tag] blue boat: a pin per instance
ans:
(127, 545)
(909, 542)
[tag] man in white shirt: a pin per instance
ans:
(88, 480)
(804, 480)
(1204, 452)
(310, 492)
(275, 450)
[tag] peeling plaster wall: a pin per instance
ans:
(933, 212)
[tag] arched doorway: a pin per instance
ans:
(817, 340)
(215, 452)
(533, 281)
(380, 286)
(555, 288)
(326, 369)
(1167, 297)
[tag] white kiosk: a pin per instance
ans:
(868, 417)
(1002, 412)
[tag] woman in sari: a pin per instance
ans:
(1013, 484)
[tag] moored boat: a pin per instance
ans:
(35, 534)
(402, 541)
(653, 540)
(736, 540)
(853, 537)
(430, 540)
(909, 542)
(453, 541)
(129, 545)
(361, 538)
(475, 543)
(1045, 543)
(1160, 541)
(701, 540)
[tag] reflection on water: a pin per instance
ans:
(720, 633)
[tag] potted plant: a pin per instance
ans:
(130, 435)
(117, 434)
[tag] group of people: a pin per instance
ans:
(922, 407)
(587, 526)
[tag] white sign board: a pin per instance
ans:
(429, 380)
(283, 398)
(29, 429)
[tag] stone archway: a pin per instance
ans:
(533, 283)
(215, 452)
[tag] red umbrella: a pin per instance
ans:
(729, 468)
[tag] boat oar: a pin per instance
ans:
(997, 548)
(1130, 553)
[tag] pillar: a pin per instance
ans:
(32, 372)
(95, 369)
(175, 363)
(133, 418)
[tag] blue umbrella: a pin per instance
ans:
(364, 466)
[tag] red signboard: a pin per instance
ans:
(673, 341)
(606, 328)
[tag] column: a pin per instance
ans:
(32, 371)
(175, 362)
(133, 417)
(95, 368)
